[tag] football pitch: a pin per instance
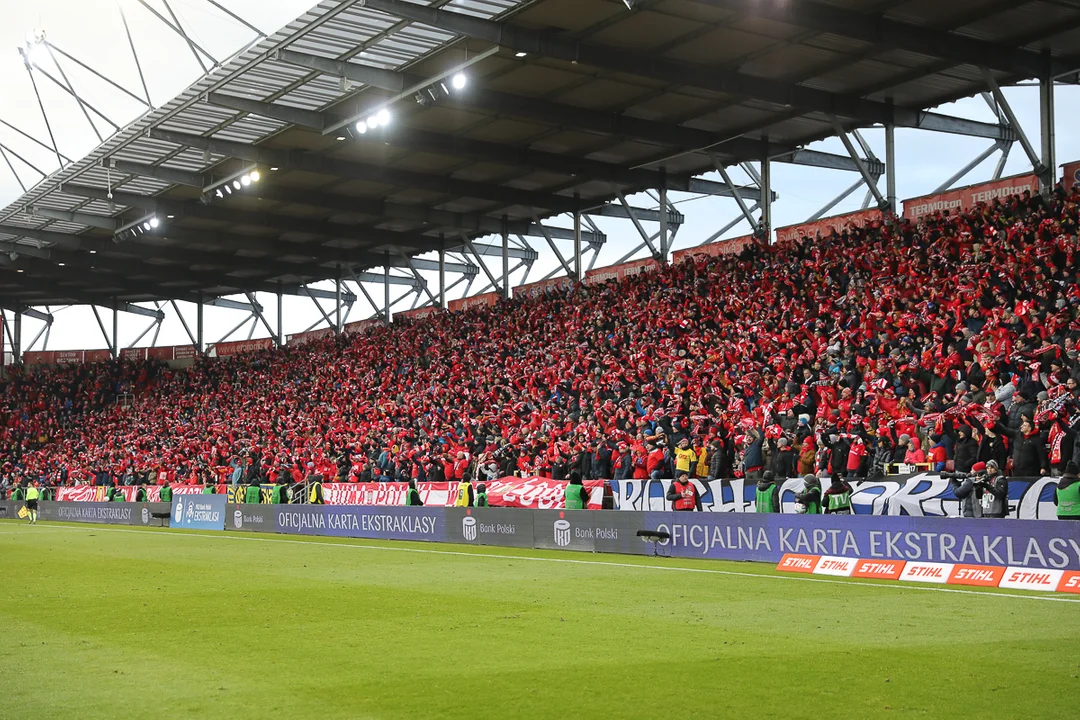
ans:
(102, 622)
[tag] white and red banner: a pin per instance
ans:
(1010, 578)
(537, 493)
(542, 287)
(731, 246)
(966, 198)
(484, 300)
(826, 226)
(620, 272)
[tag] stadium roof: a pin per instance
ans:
(570, 105)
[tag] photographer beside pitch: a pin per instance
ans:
(984, 492)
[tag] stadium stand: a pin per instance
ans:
(943, 342)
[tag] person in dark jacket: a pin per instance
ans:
(965, 450)
(625, 463)
(716, 459)
(752, 456)
(1028, 451)
(783, 463)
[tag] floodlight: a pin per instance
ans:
(459, 81)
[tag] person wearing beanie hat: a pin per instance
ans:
(992, 491)
(808, 502)
(1067, 496)
(767, 499)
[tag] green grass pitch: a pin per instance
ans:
(101, 622)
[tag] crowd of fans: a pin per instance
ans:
(940, 344)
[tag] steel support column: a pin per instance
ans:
(280, 333)
(505, 263)
(199, 344)
(337, 302)
(664, 239)
(386, 290)
(578, 275)
(115, 329)
(1003, 105)
(890, 166)
(442, 279)
(16, 335)
(1047, 178)
(766, 199)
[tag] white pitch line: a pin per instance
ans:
(603, 563)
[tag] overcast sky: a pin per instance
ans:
(92, 31)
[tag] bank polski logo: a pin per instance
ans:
(179, 514)
(562, 533)
(468, 528)
(145, 516)
(238, 519)
(190, 512)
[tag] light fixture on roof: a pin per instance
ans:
(228, 189)
(340, 137)
(255, 176)
(218, 193)
(146, 226)
(93, 252)
(629, 4)
(154, 222)
(361, 127)
(274, 169)
(245, 180)
(520, 54)
(60, 264)
(170, 216)
(384, 117)
(459, 81)
(35, 51)
(19, 270)
(236, 184)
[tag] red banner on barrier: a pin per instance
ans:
(41, 357)
(304, 337)
(732, 246)
(93, 356)
(183, 352)
(826, 226)
(966, 198)
(620, 272)
(541, 287)
(417, 313)
(161, 353)
(228, 349)
(133, 353)
(485, 300)
(360, 325)
(1070, 174)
